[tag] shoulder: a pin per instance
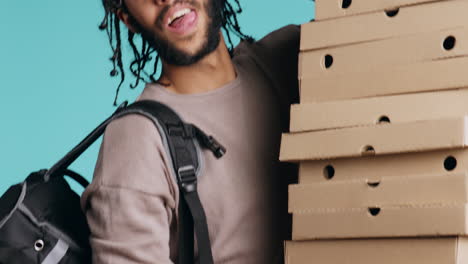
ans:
(276, 56)
(283, 37)
(131, 130)
(287, 35)
(132, 156)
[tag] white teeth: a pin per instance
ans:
(178, 14)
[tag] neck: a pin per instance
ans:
(211, 72)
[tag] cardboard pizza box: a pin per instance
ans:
(375, 140)
(433, 250)
(381, 221)
(438, 75)
(386, 53)
(327, 9)
(376, 168)
(385, 24)
(378, 110)
(401, 190)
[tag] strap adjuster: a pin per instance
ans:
(215, 147)
(187, 178)
(209, 142)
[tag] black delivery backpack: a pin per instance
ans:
(41, 221)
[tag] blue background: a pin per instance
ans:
(55, 83)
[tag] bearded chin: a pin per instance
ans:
(171, 55)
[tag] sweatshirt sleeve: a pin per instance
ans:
(130, 204)
(277, 55)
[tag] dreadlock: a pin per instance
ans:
(144, 53)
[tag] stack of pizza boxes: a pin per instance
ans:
(381, 134)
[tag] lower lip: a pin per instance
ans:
(188, 26)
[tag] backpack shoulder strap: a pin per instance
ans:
(181, 141)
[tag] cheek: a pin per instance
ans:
(144, 14)
(148, 18)
(204, 20)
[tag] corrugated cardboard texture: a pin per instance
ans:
(447, 250)
(437, 75)
(326, 9)
(374, 140)
(374, 26)
(385, 221)
(385, 53)
(388, 191)
(375, 168)
(375, 110)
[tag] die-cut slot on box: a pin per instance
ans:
(378, 110)
(328, 9)
(416, 136)
(438, 75)
(373, 168)
(440, 250)
(386, 53)
(385, 24)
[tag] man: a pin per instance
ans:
(241, 100)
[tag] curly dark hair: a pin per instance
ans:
(145, 53)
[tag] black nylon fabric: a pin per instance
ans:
(186, 248)
(201, 228)
(20, 232)
(9, 200)
(45, 200)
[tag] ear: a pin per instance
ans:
(127, 19)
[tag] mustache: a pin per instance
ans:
(160, 19)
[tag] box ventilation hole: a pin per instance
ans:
(374, 211)
(392, 13)
(450, 163)
(328, 61)
(383, 120)
(373, 184)
(449, 42)
(329, 172)
(368, 151)
(346, 3)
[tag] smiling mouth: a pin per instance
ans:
(182, 21)
(177, 16)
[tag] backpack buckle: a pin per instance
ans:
(187, 178)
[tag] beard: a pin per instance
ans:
(170, 54)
